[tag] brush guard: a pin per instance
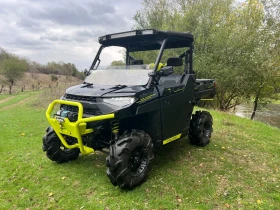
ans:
(63, 126)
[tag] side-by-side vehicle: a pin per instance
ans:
(128, 109)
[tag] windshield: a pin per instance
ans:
(111, 69)
(120, 76)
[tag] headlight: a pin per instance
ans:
(120, 101)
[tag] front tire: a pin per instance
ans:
(201, 128)
(55, 151)
(129, 159)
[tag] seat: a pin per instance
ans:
(172, 79)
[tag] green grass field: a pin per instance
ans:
(238, 170)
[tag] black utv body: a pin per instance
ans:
(133, 109)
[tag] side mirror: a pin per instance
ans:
(165, 71)
(86, 72)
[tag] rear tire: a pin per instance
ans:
(129, 159)
(201, 128)
(55, 150)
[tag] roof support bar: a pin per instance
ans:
(152, 76)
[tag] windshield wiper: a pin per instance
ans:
(118, 87)
(87, 84)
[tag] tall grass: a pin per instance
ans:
(47, 95)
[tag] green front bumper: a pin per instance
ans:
(62, 126)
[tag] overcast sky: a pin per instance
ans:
(62, 30)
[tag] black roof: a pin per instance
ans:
(148, 39)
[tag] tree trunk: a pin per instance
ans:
(10, 86)
(1, 88)
(10, 89)
(256, 103)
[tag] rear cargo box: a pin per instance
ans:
(204, 89)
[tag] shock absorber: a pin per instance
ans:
(115, 129)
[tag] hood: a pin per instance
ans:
(103, 90)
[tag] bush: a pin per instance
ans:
(54, 78)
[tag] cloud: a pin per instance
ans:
(62, 30)
(55, 38)
(71, 13)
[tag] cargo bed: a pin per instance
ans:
(204, 89)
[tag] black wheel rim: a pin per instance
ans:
(138, 161)
(207, 129)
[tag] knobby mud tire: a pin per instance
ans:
(130, 159)
(201, 128)
(54, 149)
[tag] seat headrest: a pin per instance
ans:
(174, 62)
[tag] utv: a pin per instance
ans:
(128, 111)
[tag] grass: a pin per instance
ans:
(3, 96)
(14, 99)
(239, 169)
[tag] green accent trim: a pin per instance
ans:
(62, 126)
(145, 98)
(173, 138)
(178, 90)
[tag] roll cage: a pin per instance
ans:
(149, 39)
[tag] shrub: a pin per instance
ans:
(54, 78)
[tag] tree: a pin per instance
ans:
(235, 43)
(2, 85)
(3, 54)
(13, 68)
(264, 62)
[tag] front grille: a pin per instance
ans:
(86, 110)
(80, 98)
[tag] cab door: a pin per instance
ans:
(176, 108)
